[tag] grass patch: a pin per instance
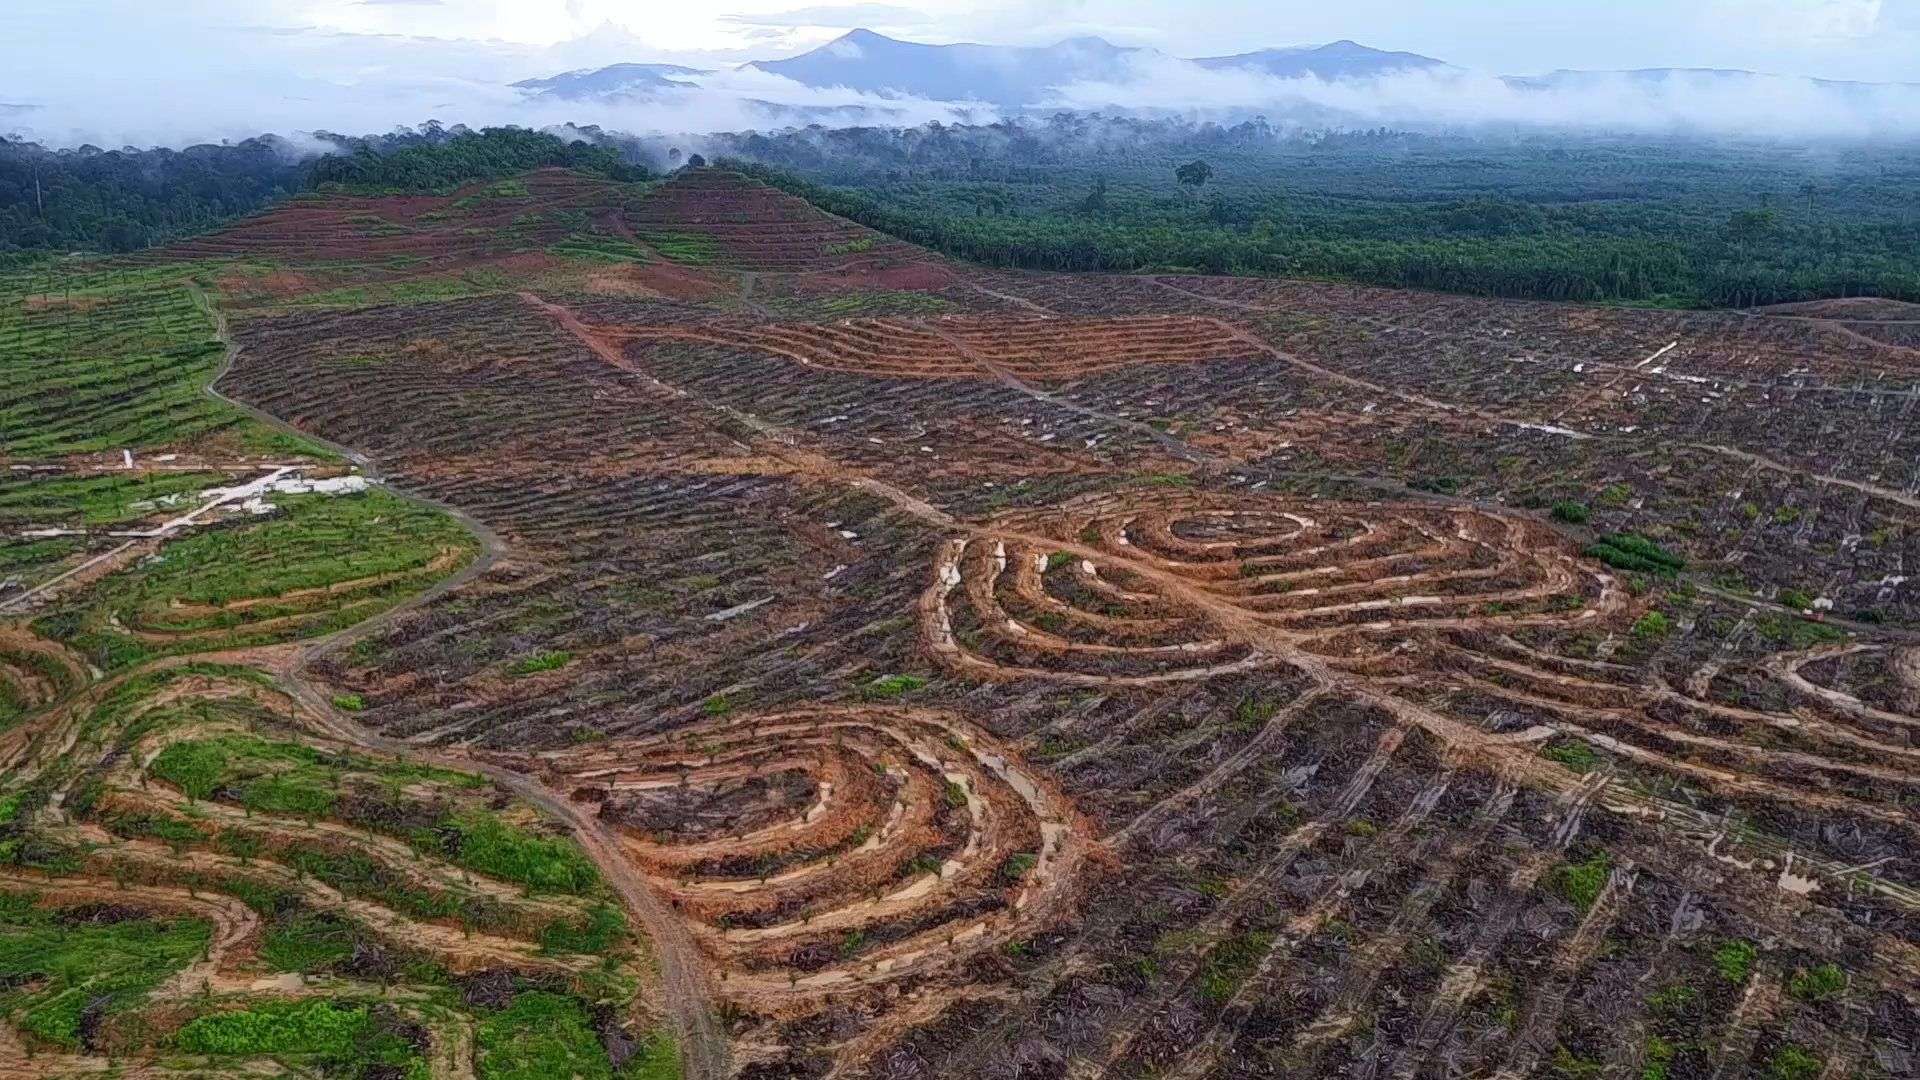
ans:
(1571, 512)
(100, 358)
(53, 970)
(1575, 755)
(542, 1036)
(488, 845)
(1793, 1063)
(693, 249)
(339, 1038)
(552, 660)
(307, 943)
(891, 686)
(1734, 960)
(1817, 983)
(324, 562)
(603, 929)
(1631, 551)
(1582, 882)
(1229, 964)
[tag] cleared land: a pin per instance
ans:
(947, 672)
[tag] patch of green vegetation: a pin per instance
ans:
(1656, 1059)
(53, 969)
(717, 705)
(349, 702)
(1734, 960)
(1652, 626)
(1672, 1000)
(596, 247)
(1614, 496)
(1567, 1064)
(1018, 866)
(694, 249)
(1253, 712)
(1058, 559)
(552, 660)
(342, 1038)
(1793, 1063)
(488, 845)
(850, 247)
(512, 188)
(101, 357)
(297, 571)
(1582, 882)
(1796, 632)
(100, 500)
(1229, 964)
(307, 943)
(891, 686)
(1573, 513)
(656, 1058)
(1817, 983)
(956, 795)
(1797, 599)
(1575, 755)
(1630, 551)
(604, 928)
(540, 1036)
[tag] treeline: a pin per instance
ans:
(1564, 218)
(123, 200)
(426, 162)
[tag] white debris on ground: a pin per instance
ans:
(250, 498)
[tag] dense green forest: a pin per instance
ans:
(124, 200)
(1685, 223)
(1676, 222)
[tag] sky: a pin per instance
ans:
(135, 72)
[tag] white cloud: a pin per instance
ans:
(1677, 103)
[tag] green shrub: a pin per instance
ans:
(314, 1026)
(487, 845)
(349, 702)
(541, 661)
(1582, 882)
(1630, 551)
(1793, 1063)
(604, 928)
(1615, 495)
(1575, 755)
(1018, 866)
(1817, 983)
(1571, 512)
(891, 686)
(51, 973)
(1652, 626)
(1657, 1059)
(1734, 960)
(1230, 963)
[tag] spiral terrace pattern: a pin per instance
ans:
(824, 849)
(1063, 595)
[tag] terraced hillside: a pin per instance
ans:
(621, 631)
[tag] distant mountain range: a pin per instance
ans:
(1010, 77)
(613, 81)
(1013, 78)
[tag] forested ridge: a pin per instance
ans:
(1563, 217)
(124, 200)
